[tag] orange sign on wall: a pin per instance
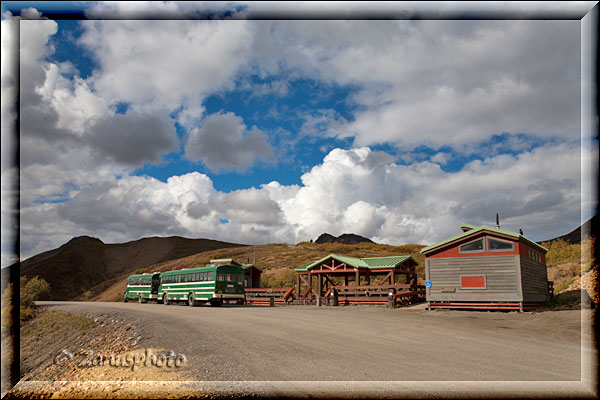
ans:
(472, 282)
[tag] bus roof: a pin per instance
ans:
(145, 274)
(200, 269)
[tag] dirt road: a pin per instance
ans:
(307, 343)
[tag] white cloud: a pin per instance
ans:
(166, 64)
(357, 190)
(438, 82)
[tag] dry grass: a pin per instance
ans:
(566, 262)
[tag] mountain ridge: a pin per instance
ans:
(346, 238)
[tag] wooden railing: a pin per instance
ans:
(262, 296)
(402, 294)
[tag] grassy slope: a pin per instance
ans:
(568, 261)
(273, 259)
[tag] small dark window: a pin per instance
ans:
(500, 245)
(475, 246)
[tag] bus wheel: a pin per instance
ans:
(140, 299)
(165, 299)
(125, 299)
(191, 300)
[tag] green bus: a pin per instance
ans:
(214, 284)
(142, 287)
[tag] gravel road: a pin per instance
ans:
(307, 343)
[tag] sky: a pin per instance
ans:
(268, 131)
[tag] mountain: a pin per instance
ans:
(346, 238)
(589, 228)
(85, 262)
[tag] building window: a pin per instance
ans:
(499, 245)
(534, 255)
(472, 282)
(475, 246)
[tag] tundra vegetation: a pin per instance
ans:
(32, 289)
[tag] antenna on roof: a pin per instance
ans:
(497, 221)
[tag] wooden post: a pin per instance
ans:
(346, 280)
(357, 277)
(298, 291)
(368, 278)
(319, 285)
(392, 278)
(391, 299)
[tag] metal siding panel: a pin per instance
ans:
(519, 282)
(535, 280)
(500, 271)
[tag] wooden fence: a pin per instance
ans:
(381, 295)
(262, 296)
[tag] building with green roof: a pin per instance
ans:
(382, 269)
(486, 267)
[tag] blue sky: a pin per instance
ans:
(258, 131)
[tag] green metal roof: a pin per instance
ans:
(365, 262)
(476, 229)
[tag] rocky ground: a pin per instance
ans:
(586, 282)
(90, 356)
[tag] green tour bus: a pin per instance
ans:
(212, 284)
(142, 287)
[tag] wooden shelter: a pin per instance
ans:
(395, 272)
(486, 268)
(251, 272)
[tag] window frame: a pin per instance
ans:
(487, 243)
(461, 251)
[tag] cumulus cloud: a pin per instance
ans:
(169, 64)
(250, 206)
(356, 190)
(436, 82)
(223, 142)
(133, 139)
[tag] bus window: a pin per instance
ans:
(228, 277)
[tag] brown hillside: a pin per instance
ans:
(74, 269)
(271, 258)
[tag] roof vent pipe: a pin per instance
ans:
(497, 222)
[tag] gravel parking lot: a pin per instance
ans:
(307, 343)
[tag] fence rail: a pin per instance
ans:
(390, 295)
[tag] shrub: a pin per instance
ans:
(7, 308)
(33, 289)
(560, 251)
